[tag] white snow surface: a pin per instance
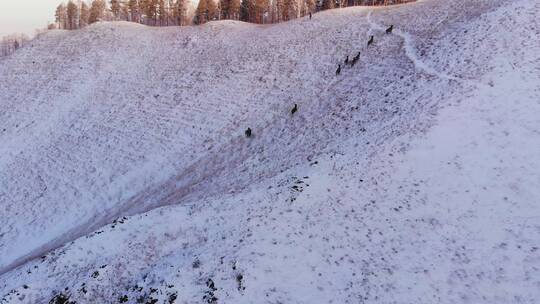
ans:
(412, 177)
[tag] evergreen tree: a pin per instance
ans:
(77, 14)
(72, 12)
(124, 11)
(261, 8)
(233, 11)
(309, 6)
(134, 12)
(277, 8)
(286, 10)
(61, 16)
(97, 10)
(224, 9)
(150, 10)
(212, 13)
(115, 8)
(201, 13)
(247, 10)
(143, 9)
(162, 12)
(327, 4)
(84, 15)
(180, 11)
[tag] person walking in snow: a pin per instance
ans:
(309, 15)
(338, 71)
(248, 132)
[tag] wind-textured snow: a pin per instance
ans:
(412, 177)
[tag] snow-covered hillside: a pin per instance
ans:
(412, 177)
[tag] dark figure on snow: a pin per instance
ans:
(248, 132)
(294, 109)
(390, 29)
(309, 15)
(347, 60)
(338, 71)
(355, 59)
(370, 42)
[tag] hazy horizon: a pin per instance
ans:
(18, 16)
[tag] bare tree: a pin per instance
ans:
(11, 43)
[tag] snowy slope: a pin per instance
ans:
(410, 178)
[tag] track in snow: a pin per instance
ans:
(410, 52)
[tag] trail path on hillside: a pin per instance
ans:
(410, 51)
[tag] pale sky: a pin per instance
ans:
(24, 16)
